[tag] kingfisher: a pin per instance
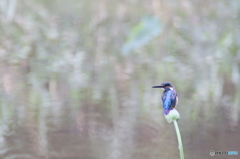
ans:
(169, 96)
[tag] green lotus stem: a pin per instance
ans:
(172, 117)
(180, 146)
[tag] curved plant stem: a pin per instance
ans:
(179, 139)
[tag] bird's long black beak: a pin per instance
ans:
(158, 86)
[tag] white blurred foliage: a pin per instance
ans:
(77, 76)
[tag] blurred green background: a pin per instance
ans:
(76, 78)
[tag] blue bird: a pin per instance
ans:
(169, 96)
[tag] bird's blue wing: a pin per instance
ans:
(166, 99)
(169, 99)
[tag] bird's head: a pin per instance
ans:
(164, 85)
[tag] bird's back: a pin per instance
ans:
(169, 100)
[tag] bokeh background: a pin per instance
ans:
(76, 78)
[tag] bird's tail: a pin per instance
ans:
(166, 111)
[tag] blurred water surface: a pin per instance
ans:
(76, 78)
